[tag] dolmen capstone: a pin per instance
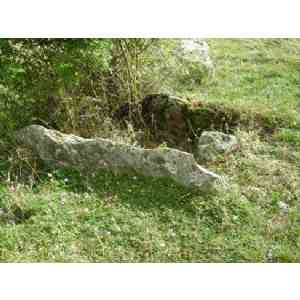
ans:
(66, 150)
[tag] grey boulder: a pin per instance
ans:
(213, 144)
(196, 51)
(183, 63)
(65, 150)
(194, 57)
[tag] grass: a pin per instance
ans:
(66, 216)
(256, 75)
(257, 70)
(69, 216)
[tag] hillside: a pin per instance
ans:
(65, 216)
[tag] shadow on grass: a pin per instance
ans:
(137, 192)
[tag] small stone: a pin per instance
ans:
(235, 218)
(283, 206)
(212, 144)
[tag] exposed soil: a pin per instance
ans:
(178, 122)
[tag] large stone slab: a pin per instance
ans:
(63, 150)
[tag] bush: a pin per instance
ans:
(74, 84)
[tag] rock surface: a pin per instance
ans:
(196, 52)
(184, 63)
(165, 115)
(177, 121)
(212, 144)
(283, 206)
(62, 150)
(190, 64)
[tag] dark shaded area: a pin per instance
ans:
(138, 192)
(16, 214)
(178, 122)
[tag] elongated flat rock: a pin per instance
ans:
(58, 149)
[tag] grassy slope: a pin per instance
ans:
(257, 70)
(109, 218)
(256, 75)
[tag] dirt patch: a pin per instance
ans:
(177, 122)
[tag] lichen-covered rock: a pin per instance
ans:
(165, 115)
(211, 144)
(183, 64)
(195, 54)
(177, 121)
(188, 65)
(58, 149)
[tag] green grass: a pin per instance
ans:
(70, 217)
(256, 70)
(256, 75)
